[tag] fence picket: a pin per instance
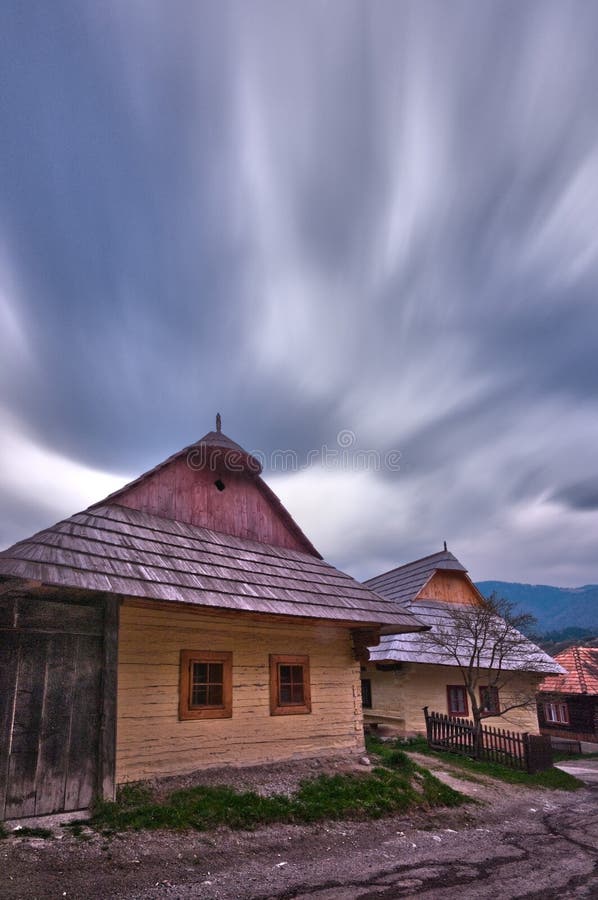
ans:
(499, 745)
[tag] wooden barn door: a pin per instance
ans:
(50, 705)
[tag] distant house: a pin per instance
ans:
(568, 704)
(408, 671)
(183, 622)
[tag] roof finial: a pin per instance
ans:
(445, 547)
(218, 423)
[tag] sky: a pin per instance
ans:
(370, 227)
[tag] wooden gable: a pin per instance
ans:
(236, 506)
(450, 587)
(214, 484)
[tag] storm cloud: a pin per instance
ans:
(376, 217)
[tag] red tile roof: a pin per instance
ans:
(582, 668)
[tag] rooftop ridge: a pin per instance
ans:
(446, 554)
(580, 672)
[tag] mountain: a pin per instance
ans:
(554, 608)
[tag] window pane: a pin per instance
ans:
(457, 699)
(297, 693)
(200, 673)
(207, 684)
(489, 699)
(215, 671)
(291, 691)
(556, 712)
(285, 674)
(214, 695)
(199, 695)
(285, 694)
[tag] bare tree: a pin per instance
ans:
(484, 641)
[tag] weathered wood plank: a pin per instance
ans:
(107, 743)
(85, 724)
(7, 612)
(9, 658)
(180, 492)
(52, 760)
(45, 615)
(29, 702)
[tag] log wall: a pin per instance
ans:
(152, 741)
(416, 685)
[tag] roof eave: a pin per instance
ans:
(406, 629)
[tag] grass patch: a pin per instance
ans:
(395, 786)
(551, 778)
(26, 831)
(77, 828)
(3, 832)
(574, 757)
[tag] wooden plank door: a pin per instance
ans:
(50, 693)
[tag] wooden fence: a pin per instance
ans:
(527, 752)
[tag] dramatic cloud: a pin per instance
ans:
(581, 495)
(313, 217)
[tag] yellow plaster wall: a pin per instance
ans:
(415, 685)
(152, 741)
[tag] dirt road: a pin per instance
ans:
(515, 843)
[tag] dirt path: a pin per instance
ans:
(520, 843)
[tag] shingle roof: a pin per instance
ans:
(581, 664)
(420, 648)
(405, 582)
(125, 551)
(402, 585)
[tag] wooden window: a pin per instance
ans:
(366, 693)
(557, 713)
(489, 702)
(457, 700)
(289, 685)
(206, 685)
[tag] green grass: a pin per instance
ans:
(3, 832)
(26, 831)
(551, 778)
(574, 757)
(77, 828)
(395, 786)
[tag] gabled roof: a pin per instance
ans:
(581, 664)
(216, 448)
(419, 648)
(405, 582)
(126, 551)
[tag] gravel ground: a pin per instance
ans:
(512, 843)
(275, 778)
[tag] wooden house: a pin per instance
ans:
(568, 703)
(183, 622)
(409, 671)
